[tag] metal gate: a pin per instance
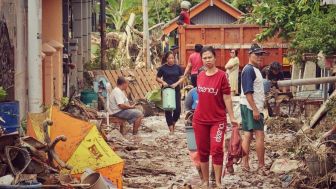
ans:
(6, 62)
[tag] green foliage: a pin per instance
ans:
(243, 5)
(3, 94)
(64, 102)
(307, 26)
(118, 12)
(111, 63)
(316, 32)
(280, 16)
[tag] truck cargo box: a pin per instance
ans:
(225, 37)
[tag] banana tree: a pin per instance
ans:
(118, 11)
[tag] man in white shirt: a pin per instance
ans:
(119, 105)
(251, 106)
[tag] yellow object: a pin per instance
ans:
(286, 62)
(84, 148)
(93, 152)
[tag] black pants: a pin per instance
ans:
(193, 78)
(173, 116)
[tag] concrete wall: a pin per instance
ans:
(13, 13)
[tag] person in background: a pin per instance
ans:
(252, 107)
(190, 106)
(194, 64)
(184, 17)
(274, 75)
(175, 50)
(209, 122)
(119, 105)
(165, 43)
(170, 75)
(232, 69)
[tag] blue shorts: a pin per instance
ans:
(130, 115)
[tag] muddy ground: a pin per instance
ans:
(156, 159)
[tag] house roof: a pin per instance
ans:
(222, 4)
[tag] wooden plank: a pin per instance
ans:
(143, 80)
(137, 81)
(131, 89)
(114, 76)
(110, 78)
(138, 89)
(148, 75)
(133, 86)
(140, 84)
(155, 83)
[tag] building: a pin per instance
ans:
(35, 49)
(208, 12)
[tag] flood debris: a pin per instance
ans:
(284, 165)
(25, 161)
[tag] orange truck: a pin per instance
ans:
(230, 36)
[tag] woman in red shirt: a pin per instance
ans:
(214, 101)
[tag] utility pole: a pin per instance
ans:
(146, 34)
(102, 35)
(35, 93)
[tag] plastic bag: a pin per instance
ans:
(154, 95)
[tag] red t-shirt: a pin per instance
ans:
(196, 62)
(211, 106)
(186, 17)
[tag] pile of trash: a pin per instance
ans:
(154, 158)
(55, 155)
(27, 161)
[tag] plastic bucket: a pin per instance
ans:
(96, 181)
(168, 99)
(9, 112)
(191, 141)
(87, 96)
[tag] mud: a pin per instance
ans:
(156, 159)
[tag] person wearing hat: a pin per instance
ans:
(194, 64)
(251, 107)
(184, 18)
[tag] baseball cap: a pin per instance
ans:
(255, 48)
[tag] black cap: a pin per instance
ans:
(174, 47)
(255, 48)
